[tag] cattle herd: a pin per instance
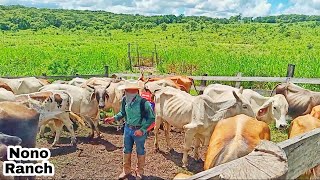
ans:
(229, 121)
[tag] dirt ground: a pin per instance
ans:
(102, 158)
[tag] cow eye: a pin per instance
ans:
(274, 107)
(244, 106)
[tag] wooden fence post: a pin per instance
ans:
(106, 71)
(155, 51)
(129, 56)
(290, 72)
(237, 85)
(203, 84)
(138, 59)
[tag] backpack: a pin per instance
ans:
(144, 114)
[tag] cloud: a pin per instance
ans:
(308, 7)
(211, 8)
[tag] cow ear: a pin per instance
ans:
(264, 108)
(236, 96)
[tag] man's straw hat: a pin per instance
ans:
(131, 84)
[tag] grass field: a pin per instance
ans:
(253, 49)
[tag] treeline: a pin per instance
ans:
(14, 18)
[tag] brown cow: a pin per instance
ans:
(233, 138)
(303, 124)
(20, 121)
(183, 83)
(5, 86)
(300, 100)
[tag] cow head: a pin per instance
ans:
(234, 107)
(100, 93)
(275, 109)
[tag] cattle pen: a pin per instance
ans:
(284, 160)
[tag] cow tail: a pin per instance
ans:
(78, 118)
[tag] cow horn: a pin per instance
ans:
(236, 96)
(241, 90)
(92, 87)
(108, 85)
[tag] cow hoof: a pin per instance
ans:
(74, 141)
(53, 146)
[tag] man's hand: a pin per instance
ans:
(138, 133)
(109, 120)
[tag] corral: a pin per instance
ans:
(101, 158)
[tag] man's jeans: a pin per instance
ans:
(129, 138)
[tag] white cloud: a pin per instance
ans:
(308, 7)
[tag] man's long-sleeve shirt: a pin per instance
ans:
(132, 114)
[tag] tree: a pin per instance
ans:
(127, 27)
(163, 26)
(193, 25)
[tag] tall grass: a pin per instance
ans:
(253, 49)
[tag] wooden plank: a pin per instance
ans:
(200, 78)
(57, 77)
(302, 152)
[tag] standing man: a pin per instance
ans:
(138, 116)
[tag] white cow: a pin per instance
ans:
(197, 115)
(267, 109)
(23, 85)
(112, 94)
(84, 104)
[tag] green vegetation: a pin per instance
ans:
(61, 42)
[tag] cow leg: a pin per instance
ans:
(96, 124)
(52, 128)
(167, 128)
(156, 132)
(196, 148)
(69, 124)
(42, 128)
(88, 120)
(58, 125)
(189, 134)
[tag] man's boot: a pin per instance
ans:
(140, 167)
(126, 166)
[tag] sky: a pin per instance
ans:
(210, 8)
